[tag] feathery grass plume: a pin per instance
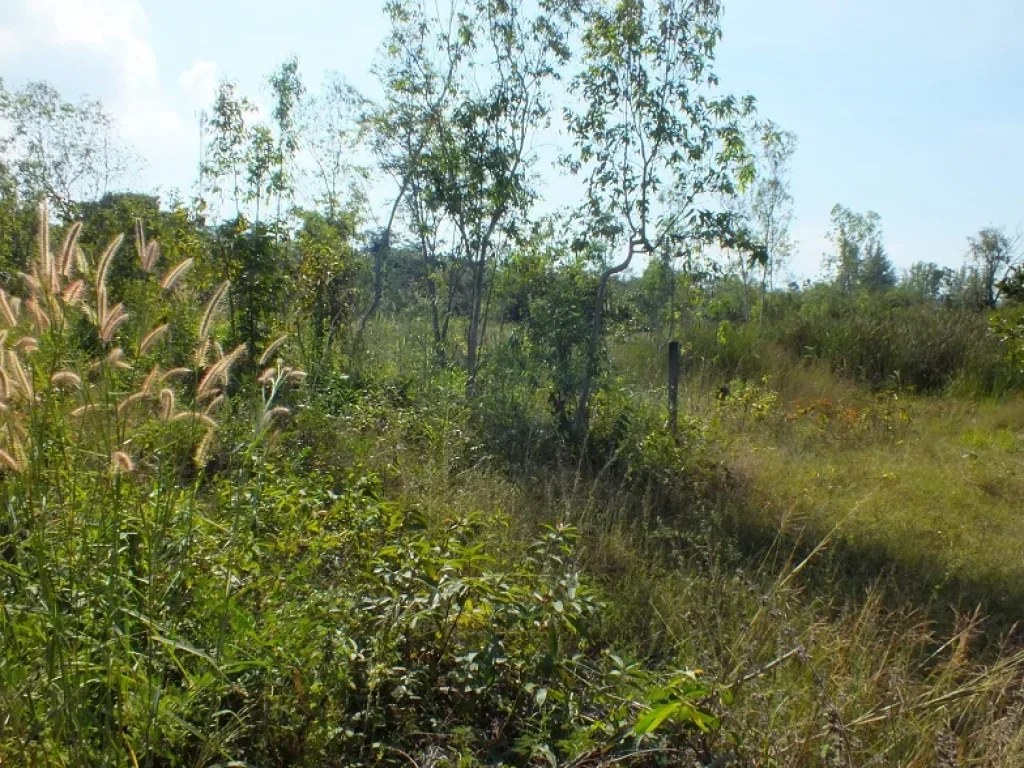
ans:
(5, 384)
(211, 309)
(38, 315)
(56, 314)
(268, 375)
(140, 242)
(202, 418)
(84, 409)
(9, 461)
(26, 344)
(121, 463)
(200, 354)
(268, 417)
(81, 260)
(200, 457)
(297, 377)
(116, 358)
(152, 338)
(175, 274)
(45, 262)
(219, 371)
(104, 266)
(9, 315)
(151, 257)
(17, 447)
(67, 248)
(66, 379)
(175, 372)
(166, 403)
(114, 320)
(21, 379)
(272, 347)
(150, 380)
(130, 400)
(34, 283)
(213, 404)
(74, 292)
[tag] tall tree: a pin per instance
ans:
(853, 235)
(424, 54)
(877, 274)
(229, 141)
(66, 152)
(644, 126)
(475, 165)
(992, 253)
(925, 280)
(330, 122)
(288, 90)
(771, 202)
(261, 155)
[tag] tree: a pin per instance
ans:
(475, 163)
(854, 236)
(261, 158)
(771, 203)
(925, 280)
(645, 132)
(877, 274)
(330, 123)
(288, 89)
(424, 54)
(62, 151)
(992, 253)
(230, 141)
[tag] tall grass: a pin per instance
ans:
(203, 564)
(106, 431)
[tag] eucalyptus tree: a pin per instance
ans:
(229, 142)
(469, 151)
(653, 142)
(331, 124)
(423, 56)
(261, 158)
(854, 235)
(992, 253)
(478, 163)
(770, 199)
(288, 90)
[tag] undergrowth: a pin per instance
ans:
(203, 562)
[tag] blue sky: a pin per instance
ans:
(911, 108)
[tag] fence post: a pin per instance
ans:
(673, 385)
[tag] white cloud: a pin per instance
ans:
(113, 30)
(99, 47)
(199, 82)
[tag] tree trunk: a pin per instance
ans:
(582, 419)
(473, 336)
(383, 247)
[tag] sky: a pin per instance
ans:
(910, 108)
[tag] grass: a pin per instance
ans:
(821, 676)
(943, 498)
(207, 561)
(929, 485)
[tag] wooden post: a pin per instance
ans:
(673, 385)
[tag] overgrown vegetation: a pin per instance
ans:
(281, 488)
